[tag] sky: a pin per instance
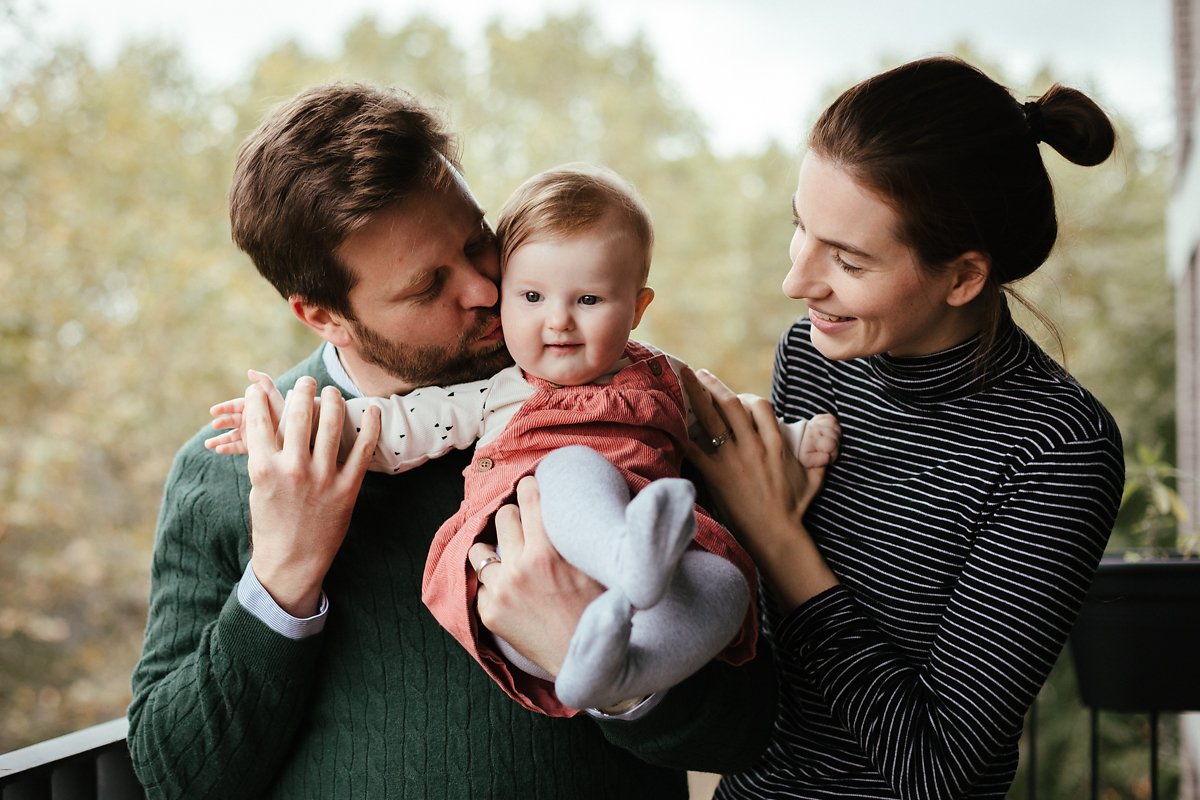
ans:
(752, 69)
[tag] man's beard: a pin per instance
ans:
(431, 365)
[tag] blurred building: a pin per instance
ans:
(1183, 239)
(1183, 262)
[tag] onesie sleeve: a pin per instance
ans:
(429, 422)
(719, 720)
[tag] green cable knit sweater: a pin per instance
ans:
(383, 703)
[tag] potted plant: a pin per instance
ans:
(1136, 644)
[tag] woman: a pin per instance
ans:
(918, 604)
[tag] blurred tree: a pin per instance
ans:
(116, 332)
(530, 99)
(560, 93)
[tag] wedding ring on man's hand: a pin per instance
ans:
(487, 562)
(720, 439)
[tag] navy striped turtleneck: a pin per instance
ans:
(964, 518)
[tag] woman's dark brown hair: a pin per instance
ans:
(957, 157)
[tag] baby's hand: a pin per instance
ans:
(819, 445)
(228, 415)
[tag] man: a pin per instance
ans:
(292, 657)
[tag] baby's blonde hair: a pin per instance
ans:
(570, 199)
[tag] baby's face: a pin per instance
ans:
(568, 305)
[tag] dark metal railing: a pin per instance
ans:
(1136, 645)
(91, 764)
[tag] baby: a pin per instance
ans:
(602, 421)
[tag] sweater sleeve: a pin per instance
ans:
(930, 728)
(719, 720)
(217, 695)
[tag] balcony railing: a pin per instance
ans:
(91, 764)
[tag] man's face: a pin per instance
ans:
(425, 301)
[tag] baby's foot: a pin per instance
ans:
(630, 544)
(659, 525)
(596, 660)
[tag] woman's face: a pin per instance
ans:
(865, 290)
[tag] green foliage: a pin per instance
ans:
(126, 310)
(1153, 518)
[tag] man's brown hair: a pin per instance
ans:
(318, 168)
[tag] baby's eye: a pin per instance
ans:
(589, 300)
(533, 297)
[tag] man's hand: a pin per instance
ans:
(301, 499)
(533, 598)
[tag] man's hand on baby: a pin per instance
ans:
(819, 444)
(228, 417)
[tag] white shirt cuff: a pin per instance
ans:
(258, 601)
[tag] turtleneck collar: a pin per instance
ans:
(955, 371)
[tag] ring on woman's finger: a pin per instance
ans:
(487, 562)
(720, 438)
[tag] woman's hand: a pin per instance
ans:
(759, 487)
(532, 598)
(753, 477)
